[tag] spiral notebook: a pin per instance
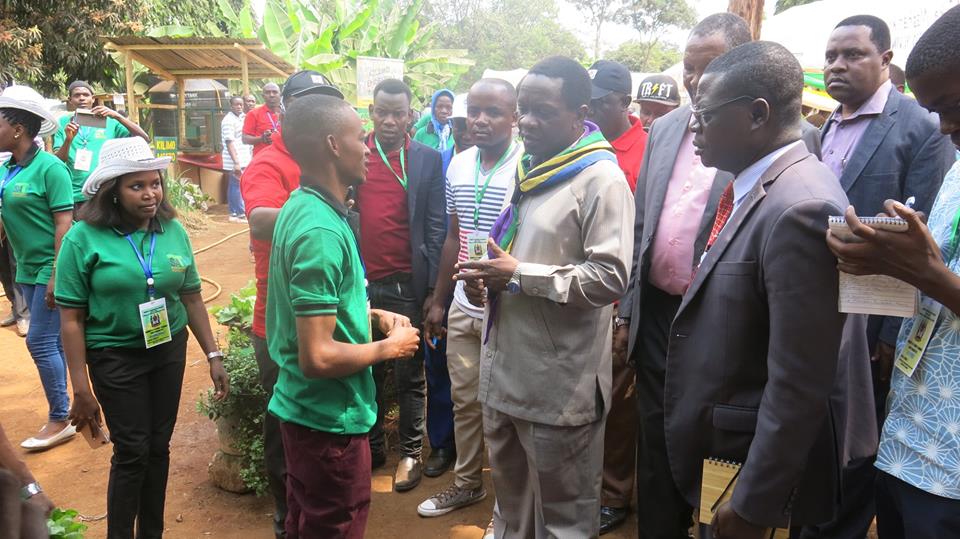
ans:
(719, 480)
(874, 294)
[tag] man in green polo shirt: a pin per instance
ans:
(318, 327)
(79, 146)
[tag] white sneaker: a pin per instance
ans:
(233, 219)
(23, 327)
(450, 499)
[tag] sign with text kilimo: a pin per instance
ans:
(165, 147)
(370, 71)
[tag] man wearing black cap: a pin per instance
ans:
(266, 184)
(610, 110)
(657, 95)
(609, 102)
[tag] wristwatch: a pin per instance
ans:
(30, 490)
(215, 355)
(620, 322)
(513, 285)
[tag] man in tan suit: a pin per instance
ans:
(753, 349)
(559, 258)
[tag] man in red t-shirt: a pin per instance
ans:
(609, 109)
(402, 229)
(266, 185)
(263, 122)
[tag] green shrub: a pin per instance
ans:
(63, 524)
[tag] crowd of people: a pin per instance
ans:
(608, 307)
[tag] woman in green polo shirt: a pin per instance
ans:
(128, 287)
(36, 208)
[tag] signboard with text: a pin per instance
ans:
(370, 71)
(165, 147)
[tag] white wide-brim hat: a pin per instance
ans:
(121, 156)
(26, 98)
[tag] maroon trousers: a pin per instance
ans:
(328, 483)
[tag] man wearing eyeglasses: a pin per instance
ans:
(676, 197)
(754, 346)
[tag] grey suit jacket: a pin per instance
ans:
(901, 154)
(426, 206)
(547, 357)
(753, 350)
(663, 143)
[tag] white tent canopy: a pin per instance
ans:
(804, 30)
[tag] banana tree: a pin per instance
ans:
(329, 39)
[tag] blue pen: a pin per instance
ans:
(433, 341)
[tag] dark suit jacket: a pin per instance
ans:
(753, 352)
(663, 143)
(902, 154)
(426, 204)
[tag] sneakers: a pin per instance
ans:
(451, 499)
(237, 219)
(8, 321)
(23, 327)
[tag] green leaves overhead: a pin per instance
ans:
(328, 37)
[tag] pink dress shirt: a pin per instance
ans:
(671, 265)
(843, 134)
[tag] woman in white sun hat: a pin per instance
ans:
(127, 287)
(36, 209)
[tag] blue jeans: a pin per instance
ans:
(234, 200)
(43, 342)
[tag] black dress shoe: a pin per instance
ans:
(439, 462)
(611, 518)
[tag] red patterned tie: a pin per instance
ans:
(724, 209)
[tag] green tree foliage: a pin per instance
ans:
(598, 13)
(329, 36)
(783, 5)
(503, 34)
(45, 43)
(643, 58)
(653, 18)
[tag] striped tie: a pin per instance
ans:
(724, 209)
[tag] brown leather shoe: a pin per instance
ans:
(408, 474)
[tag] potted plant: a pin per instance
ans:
(237, 465)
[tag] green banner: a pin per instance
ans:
(165, 147)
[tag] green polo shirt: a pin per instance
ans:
(40, 189)
(91, 138)
(315, 270)
(99, 271)
(426, 136)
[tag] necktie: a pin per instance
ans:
(724, 209)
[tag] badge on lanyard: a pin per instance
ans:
(923, 326)
(82, 160)
(153, 314)
(476, 245)
(156, 325)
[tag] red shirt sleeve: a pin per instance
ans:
(250, 124)
(262, 186)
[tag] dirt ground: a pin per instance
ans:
(76, 476)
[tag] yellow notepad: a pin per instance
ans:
(719, 480)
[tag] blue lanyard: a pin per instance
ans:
(147, 264)
(274, 123)
(83, 136)
(11, 174)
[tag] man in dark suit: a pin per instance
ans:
(881, 145)
(753, 349)
(676, 199)
(402, 228)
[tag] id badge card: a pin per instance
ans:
(476, 245)
(909, 357)
(82, 160)
(156, 325)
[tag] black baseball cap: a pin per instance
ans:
(659, 89)
(308, 82)
(609, 76)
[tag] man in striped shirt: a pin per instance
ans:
(480, 183)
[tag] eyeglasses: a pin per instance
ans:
(704, 117)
